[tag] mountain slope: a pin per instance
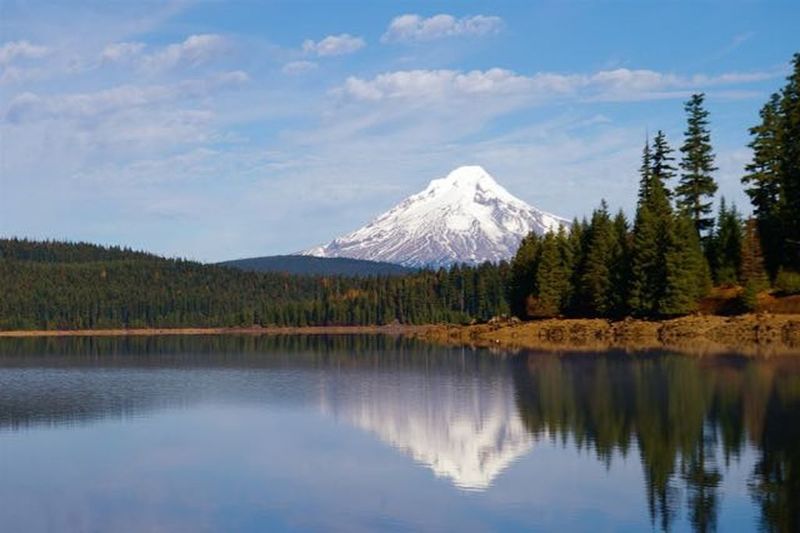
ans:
(465, 217)
(317, 266)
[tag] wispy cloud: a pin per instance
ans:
(30, 106)
(617, 84)
(334, 45)
(193, 51)
(414, 28)
(298, 67)
(21, 50)
(121, 52)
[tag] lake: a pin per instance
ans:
(362, 433)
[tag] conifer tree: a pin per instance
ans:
(687, 277)
(595, 278)
(726, 246)
(752, 262)
(661, 165)
(619, 266)
(651, 231)
(754, 276)
(552, 280)
(790, 166)
(773, 177)
(522, 278)
(763, 181)
(697, 186)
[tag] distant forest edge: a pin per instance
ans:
(56, 285)
(676, 257)
(322, 266)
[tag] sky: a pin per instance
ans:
(216, 130)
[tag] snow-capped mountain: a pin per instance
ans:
(465, 217)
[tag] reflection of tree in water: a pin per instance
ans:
(684, 415)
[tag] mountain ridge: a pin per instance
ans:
(465, 217)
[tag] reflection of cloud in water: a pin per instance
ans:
(464, 427)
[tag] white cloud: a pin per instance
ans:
(298, 67)
(334, 45)
(195, 50)
(618, 84)
(21, 49)
(30, 106)
(414, 28)
(120, 52)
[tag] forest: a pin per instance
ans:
(56, 285)
(660, 264)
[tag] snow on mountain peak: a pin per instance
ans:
(464, 217)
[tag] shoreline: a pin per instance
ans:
(748, 334)
(252, 330)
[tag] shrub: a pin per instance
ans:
(788, 282)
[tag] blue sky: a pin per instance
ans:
(215, 130)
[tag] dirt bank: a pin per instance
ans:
(702, 334)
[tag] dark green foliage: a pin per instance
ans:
(788, 282)
(619, 266)
(752, 263)
(687, 276)
(63, 285)
(662, 169)
(522, 278)
(773, 175)
(552, 277)
(652, 234)
(725, 246)
(318, 266)
(697, 186)
(595, 285)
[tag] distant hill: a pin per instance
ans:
(310, 265)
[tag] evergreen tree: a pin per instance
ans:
(687, 277)
(752, 262)
(697, 186)
(522, 278)
(726, 246)
(552, 280)
(651, 232)
(595, 277)
(763, 180)
(773, 177)
(790, 166)
(619, 266)
(754, 276)
(661, 168)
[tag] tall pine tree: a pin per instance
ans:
(696, 189)
(790, 166)
(652, 231)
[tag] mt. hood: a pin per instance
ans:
(465, 217)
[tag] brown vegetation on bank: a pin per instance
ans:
(703, 334)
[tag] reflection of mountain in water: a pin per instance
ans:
(464, 426)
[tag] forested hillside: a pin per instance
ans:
(322, 266)
(50, 285)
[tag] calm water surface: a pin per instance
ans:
(364, 433)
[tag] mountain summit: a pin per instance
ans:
(465, 217)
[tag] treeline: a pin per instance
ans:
(53, 285)
(675, 249)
